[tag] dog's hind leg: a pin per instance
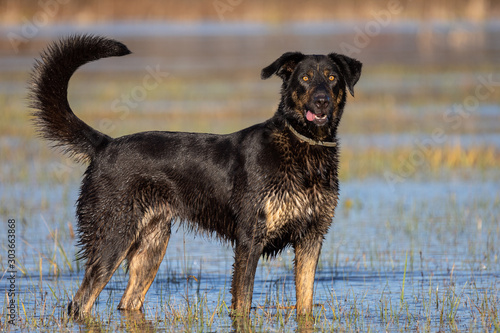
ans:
(101, 264)
(144, 259)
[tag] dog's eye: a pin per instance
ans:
(331, 78)
(305, 78)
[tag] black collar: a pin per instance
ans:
(309, 140)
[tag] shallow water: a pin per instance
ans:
(444, 231)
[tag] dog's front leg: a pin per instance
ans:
(246, 254)
(307, 252)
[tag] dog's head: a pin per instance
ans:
(314, 88)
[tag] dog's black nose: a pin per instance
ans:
(321, 101)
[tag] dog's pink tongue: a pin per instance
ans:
(310, 116)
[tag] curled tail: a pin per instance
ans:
(54, 119)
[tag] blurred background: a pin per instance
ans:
(80, 11)
(420, 141)
(421, 59)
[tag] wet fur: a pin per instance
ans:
(262, 188)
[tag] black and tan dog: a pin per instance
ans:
(263, 188)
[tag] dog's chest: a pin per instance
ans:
(294, 202)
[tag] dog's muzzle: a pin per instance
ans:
(319, 110)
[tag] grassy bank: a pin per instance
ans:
(268, 11)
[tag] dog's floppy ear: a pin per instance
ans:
(283, 66)
(351, 69)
